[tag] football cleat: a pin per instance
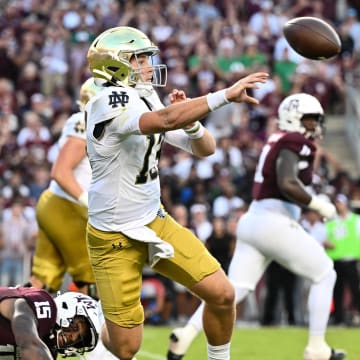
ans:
(337, 354)
(180, 341)
(334, 355)
(172, 356)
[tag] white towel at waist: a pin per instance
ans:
(157, 248)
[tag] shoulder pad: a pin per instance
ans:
(111, 103)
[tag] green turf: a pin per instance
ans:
(253, 343)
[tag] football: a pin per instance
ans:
(312, 38)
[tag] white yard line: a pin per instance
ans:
(152, 356)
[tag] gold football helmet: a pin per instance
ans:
(87, 90)
(110, 53)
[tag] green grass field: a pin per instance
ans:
(254, 343)
(270, 343)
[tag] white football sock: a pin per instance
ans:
(220, 352)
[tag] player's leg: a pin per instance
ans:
(194, 267)
(245, 270)
(48, 267)
(117, 262)
(70, 241)
(101, 352)
(296, 250)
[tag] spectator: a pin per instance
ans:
(14, 186)
(54, 59)
(343, 236)
(279, 281)
(28, 83)
(285, 68)
(18, 238)
(40, 181)
(266, 25)
(153, 300)
(227, 201)
(221, 243)
(228, 59)
(185, 301)
(205, 11)
(252, 57)
(200, 222)
(33, 132)
(352, 26)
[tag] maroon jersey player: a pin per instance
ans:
(33, 325)
(269, 230)
(265, 182)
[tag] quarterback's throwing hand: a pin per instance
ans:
(237, 92)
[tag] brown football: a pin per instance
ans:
(312, 37)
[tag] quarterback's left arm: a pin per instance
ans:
(205, 144)
(202, 143)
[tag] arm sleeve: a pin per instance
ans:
(179, 139)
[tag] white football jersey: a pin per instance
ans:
(125, 187)
(74, 126)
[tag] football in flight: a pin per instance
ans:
(311, 37)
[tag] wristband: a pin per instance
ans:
(196, 131)
(83, 199)
(216, 100)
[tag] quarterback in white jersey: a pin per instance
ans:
(128, 226)
(62, 210)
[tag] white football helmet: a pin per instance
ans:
(70, 305)
(110, 53)
(297, 106)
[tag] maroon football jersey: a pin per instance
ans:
(265, 180)
(41, 303)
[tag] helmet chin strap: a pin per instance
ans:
(144, 90)
(106, 76)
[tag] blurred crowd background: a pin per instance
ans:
(206, 45)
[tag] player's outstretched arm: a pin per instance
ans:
(181, 114)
